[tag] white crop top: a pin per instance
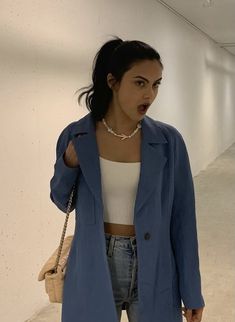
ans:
(119, 186)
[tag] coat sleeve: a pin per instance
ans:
(184, 228)
(64, 177)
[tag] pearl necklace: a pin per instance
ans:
(123, 136)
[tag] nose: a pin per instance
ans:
(150, 94)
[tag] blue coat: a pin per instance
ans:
(164, 219)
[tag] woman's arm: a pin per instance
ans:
(184, 228)
(66, 172)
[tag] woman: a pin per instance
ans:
(135, 242)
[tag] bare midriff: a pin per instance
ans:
(118, 229)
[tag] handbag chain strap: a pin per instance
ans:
(64, 228)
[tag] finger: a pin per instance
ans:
(184, 310)
(188, 315)
(196, 319)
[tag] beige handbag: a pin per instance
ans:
(53, 271)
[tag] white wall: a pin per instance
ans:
(46, 52)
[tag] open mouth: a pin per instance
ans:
(143, 108)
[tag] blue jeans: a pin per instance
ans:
(122, 260)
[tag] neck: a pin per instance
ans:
(120, 123)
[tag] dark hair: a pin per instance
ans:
(116, 57)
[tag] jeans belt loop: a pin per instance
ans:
(111, 246)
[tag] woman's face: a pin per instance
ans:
(139, 85)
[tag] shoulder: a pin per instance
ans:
(175, 140)
(68, 133)
(73, 129)
(170, 132)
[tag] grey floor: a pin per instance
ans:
(215, 205)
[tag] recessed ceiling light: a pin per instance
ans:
(207, 3)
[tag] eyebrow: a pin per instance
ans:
(147, 79)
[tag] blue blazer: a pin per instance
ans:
(164, 219)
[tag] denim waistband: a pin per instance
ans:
(121, 239)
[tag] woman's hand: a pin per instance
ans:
(193, 315)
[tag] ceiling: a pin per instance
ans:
(215, 18)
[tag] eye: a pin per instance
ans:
(140, 82)
(157, 84)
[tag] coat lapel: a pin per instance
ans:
(153, 159)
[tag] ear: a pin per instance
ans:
(110, 80)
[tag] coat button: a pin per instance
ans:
(147, 236)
